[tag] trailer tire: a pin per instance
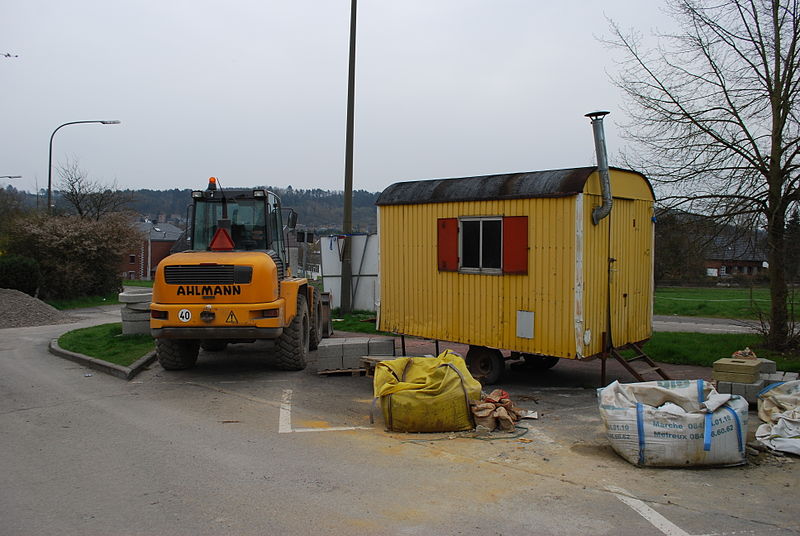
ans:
(316, 322)
(540, 362)
(214, 345)
(486, 364)
(293, 344)
(177, 354)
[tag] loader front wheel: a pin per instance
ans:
(316, 322)
(293, 344)
(177, 354)
(485, 364)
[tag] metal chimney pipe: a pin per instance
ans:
(602, 166)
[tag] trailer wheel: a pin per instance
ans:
(486, 364)
(540, 362)
(177, 354)
(316, 322)
(214, 345)
(293, 344)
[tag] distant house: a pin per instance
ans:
(157, 241)
(733, 253)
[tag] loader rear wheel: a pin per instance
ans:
(177, 354)
(316, 322)
(486, 364)
(293, 344)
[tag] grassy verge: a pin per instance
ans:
(744, 303)
(703, 349)
(107, 342)
(137, 283)
(85, 301)
(357, 321)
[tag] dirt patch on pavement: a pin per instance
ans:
(18, 310)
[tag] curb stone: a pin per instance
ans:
(126, 373)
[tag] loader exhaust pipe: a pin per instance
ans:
(602, 166)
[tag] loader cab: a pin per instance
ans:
(237, 220)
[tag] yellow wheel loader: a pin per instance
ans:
(234, 284)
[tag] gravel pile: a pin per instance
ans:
(19, 310)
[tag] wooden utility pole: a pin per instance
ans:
(347, 226)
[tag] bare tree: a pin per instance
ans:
(714, 118)
(90, 199)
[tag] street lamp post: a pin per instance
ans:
(50, 157)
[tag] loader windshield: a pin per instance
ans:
(254, 221)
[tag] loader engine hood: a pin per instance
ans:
(217, 277)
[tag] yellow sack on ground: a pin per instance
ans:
(426, 394)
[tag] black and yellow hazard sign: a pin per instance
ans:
(231, 319)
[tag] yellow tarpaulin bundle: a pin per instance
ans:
(426, 394)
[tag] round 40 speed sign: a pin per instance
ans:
(184, 315)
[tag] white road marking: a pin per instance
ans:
(654, 518)
(285, 419)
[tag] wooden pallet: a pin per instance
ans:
(371, 361)
(351, 371)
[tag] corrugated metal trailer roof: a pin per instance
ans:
(550, 183)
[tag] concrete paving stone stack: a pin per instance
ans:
(733, 380)
(346, 354)
(136, 311)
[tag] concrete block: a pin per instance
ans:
(725, 388)
(790, 376)
(738, 389)
(767, 366)
(351, 362)
(751, 391)
(329, 363)
(141, 306)
(330, 348)
(135, 316)
(736, 377)
(381, 346)
(130, 296)
(133, 328)
(772, 378)
(738, 366)
(355, 347)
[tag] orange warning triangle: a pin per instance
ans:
(222, 241)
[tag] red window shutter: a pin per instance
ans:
(515, 245)
(447, 244)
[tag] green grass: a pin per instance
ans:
(357, 321)
(107, 342)
(85, 301)
(137, 283)
(703, 349)
(743, 303)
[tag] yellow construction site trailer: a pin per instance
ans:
(546, 264)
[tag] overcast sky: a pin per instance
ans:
(254, 91)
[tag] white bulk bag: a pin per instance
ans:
(674, 423)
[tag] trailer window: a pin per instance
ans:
(483, 244)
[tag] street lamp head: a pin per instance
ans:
(111, 122)
(10, 176)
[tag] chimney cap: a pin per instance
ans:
(596, 115)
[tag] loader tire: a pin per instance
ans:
(177, 354)
(293, 344)
(316, 323)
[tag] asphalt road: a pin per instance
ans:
(235, 446)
